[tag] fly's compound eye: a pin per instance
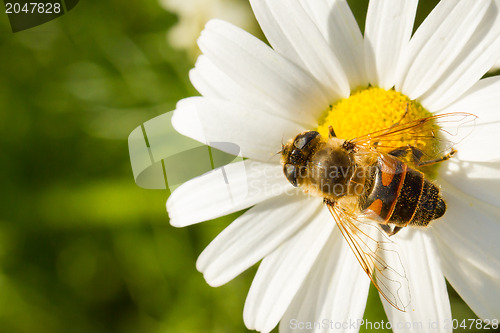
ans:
(304, 139)
(291, 174)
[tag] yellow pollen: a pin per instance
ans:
(372, 109)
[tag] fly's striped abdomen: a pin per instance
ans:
(431, 205)
(408, 198)
(401, 195)
(388, 178)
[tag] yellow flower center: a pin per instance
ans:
(372, 109)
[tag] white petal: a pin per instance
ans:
(257, 134)
(388, 30)
(242, 69)
(471, 64)
(483, 100)
(495, 67)
(335, 291)
(482, 145)
(339, 28)
(429, 297)
(450, 51)
(211, 81)
(478, 179)
(467, 240)
(225, 190)
(281, 273)
(293, 34)
(254, 235)
(436, 42)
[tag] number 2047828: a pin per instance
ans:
(33, 8)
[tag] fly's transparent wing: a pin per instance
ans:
(373, 250)
(434, 136)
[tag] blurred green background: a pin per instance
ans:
(82, 248)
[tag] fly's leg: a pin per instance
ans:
(328, 202)
(399, 122)
(331, 132)
(403, 151)
(417, 155)
(390, 231)
(437, 160)
(403, 117)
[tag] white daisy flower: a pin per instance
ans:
(257, 97)
(194, 14)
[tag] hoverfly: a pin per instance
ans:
(371, 179)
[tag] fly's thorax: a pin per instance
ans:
(324, 167)
(330, 169)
